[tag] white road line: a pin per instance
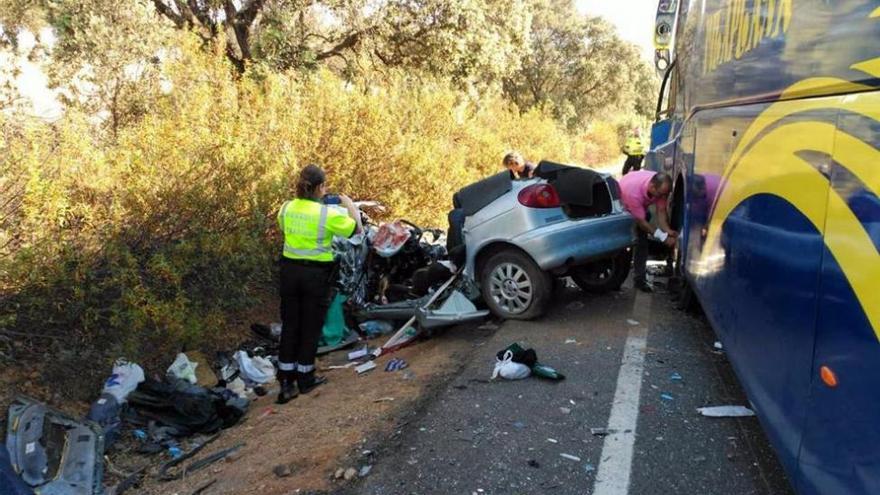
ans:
(615, 463)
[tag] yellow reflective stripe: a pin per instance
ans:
(281, 215)
(322, 226)
(305, 252)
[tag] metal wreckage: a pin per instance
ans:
(401, 272)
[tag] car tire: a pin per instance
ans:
(604, 275)
(514, 286)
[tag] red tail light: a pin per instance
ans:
(539, 196)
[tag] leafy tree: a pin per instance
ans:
(540, 53)
(10, 70)
(105, 59)
(161, 236)
(464, 39)
(578, 66)
(211, 19)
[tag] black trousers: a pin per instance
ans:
(640, 257)
(305, 297)
(632, 163)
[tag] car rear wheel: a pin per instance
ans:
(514, 287)
(604, 275)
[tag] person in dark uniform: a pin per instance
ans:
(634, 149)
(308, 227)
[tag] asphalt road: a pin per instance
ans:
(622, 354)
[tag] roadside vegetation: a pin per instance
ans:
(143, 219)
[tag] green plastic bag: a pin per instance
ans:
(542, 371)
(334, 330)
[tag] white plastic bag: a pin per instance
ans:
(238, 387)
(254, 369)
(183, 369)
(509, 369)
(125, 378)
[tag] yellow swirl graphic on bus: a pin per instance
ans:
(767, 162)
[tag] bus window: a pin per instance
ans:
(668, 93)
(660, 131)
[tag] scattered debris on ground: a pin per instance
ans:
(726, 412)
(516, 363)
(178, 436)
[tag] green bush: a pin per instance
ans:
(151, 241)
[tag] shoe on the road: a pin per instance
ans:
(644, 287)
(309, 381)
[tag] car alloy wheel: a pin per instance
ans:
(511, 288)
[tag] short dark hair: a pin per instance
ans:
(310, 179)
(660, 179)
(513, 157)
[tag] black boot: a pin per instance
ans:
(288, 392)
(309, 381)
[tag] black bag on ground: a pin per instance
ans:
(188, 408)
(527, 357)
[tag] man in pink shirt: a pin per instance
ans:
(639, 190)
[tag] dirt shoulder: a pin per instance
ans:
(317, 434)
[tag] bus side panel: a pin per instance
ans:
(841, 446)
(756, 269)
(738, 50)
(662, 158)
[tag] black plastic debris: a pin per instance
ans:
(187, 408)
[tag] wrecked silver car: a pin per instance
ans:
(518, 235)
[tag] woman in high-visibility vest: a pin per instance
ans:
(308, 227)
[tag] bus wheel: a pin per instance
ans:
(683, 296)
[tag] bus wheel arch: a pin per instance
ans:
(685, 299)
(677, 206)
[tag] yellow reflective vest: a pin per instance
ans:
(634, 146)
(309, 227)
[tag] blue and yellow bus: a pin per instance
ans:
(769, 123)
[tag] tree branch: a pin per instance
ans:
(203, 14)
(348, 42)
(592, 88)
(249, 11)
(242, 33)
(169, 12)
(385, 60)
(234, 58)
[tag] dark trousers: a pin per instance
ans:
(305, 297)
(640, 256)
(632, 163)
